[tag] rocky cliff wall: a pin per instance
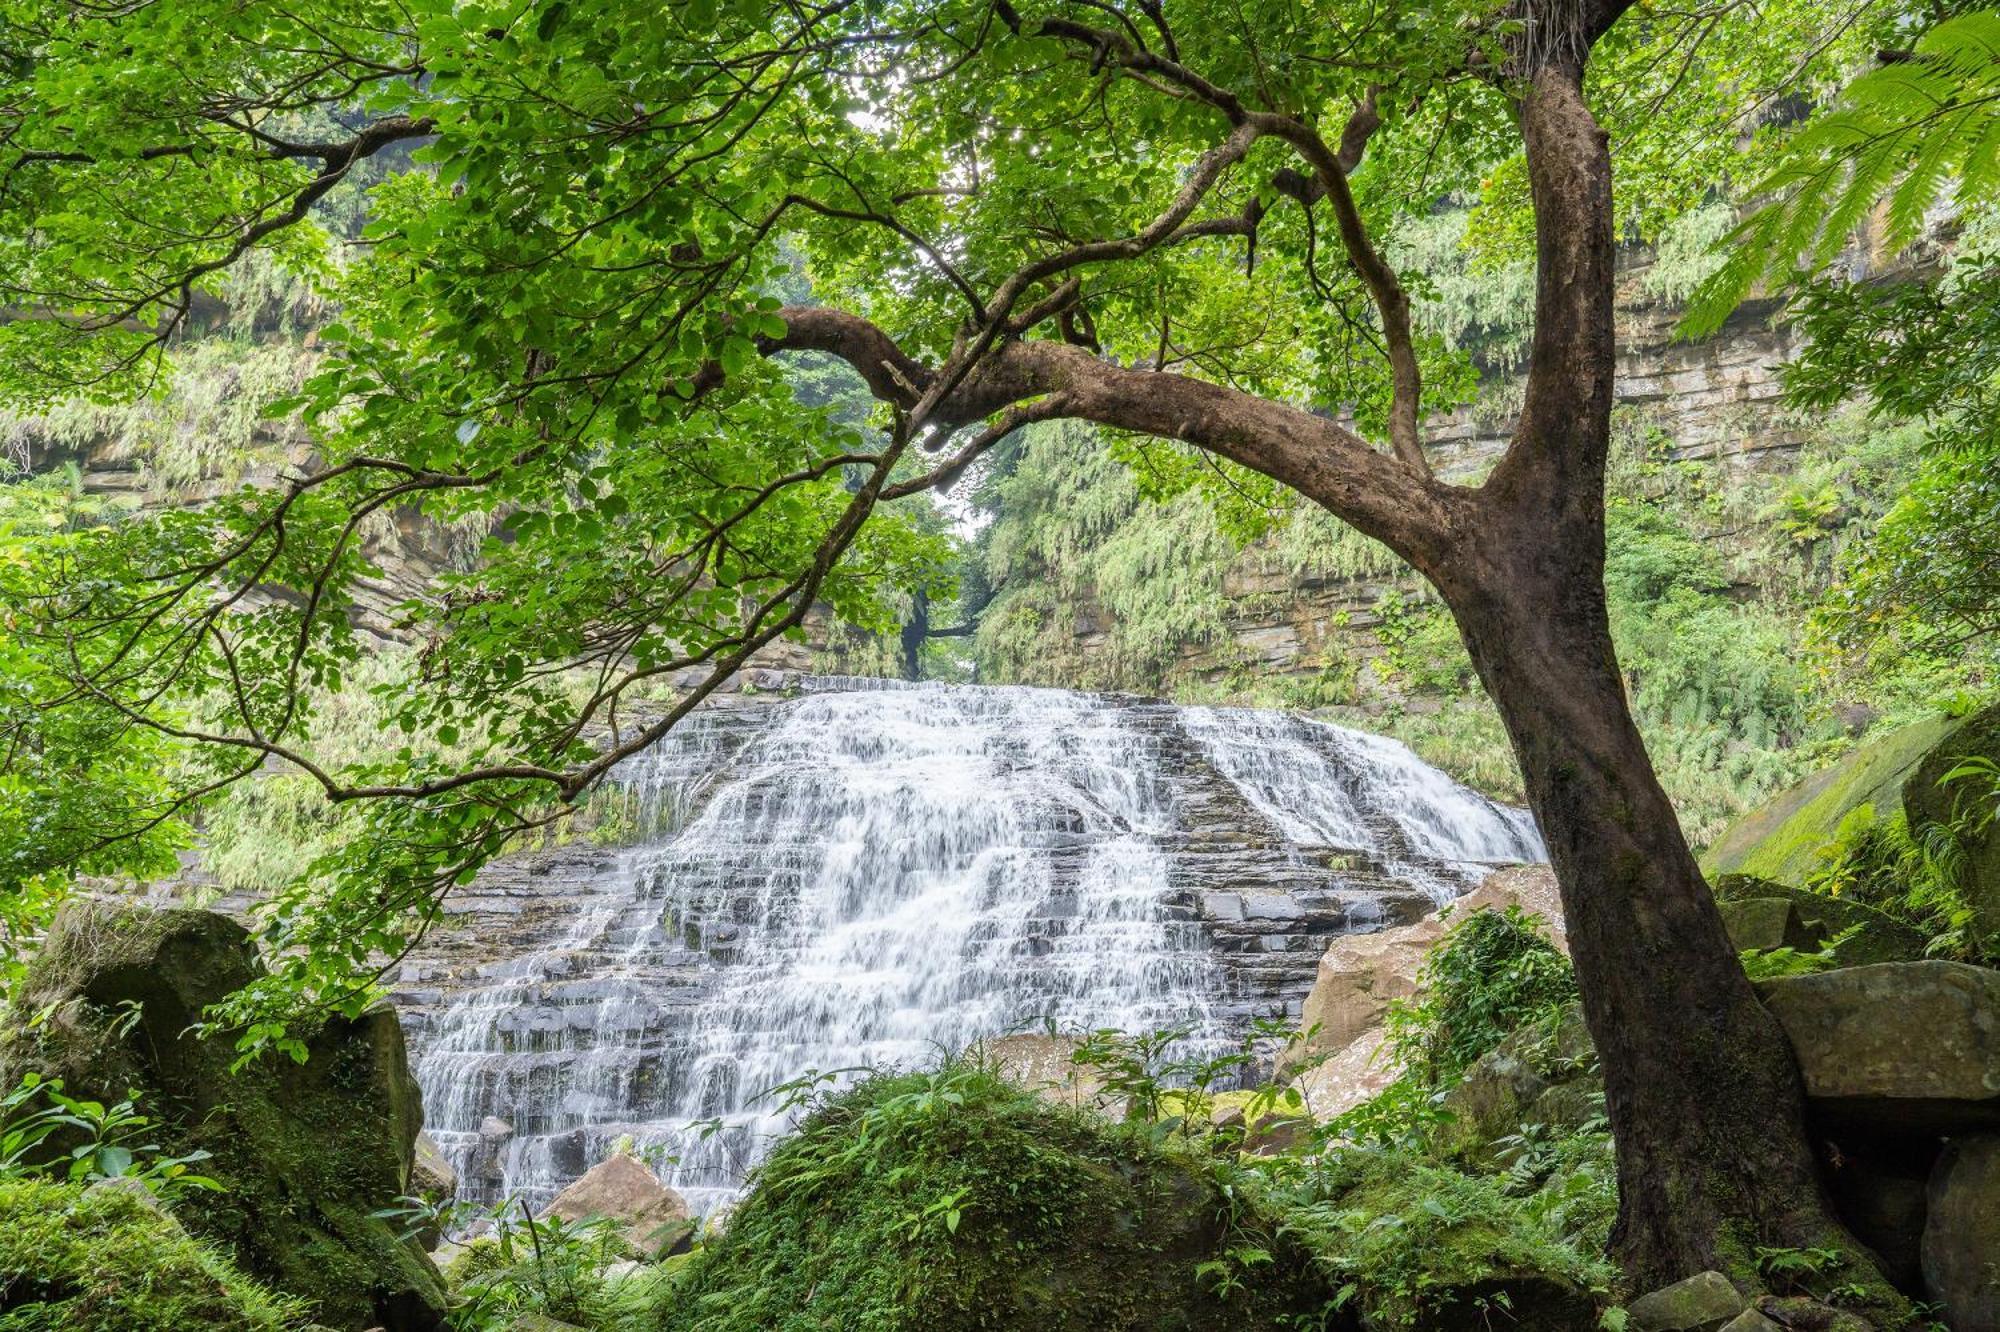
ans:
(1716, 402)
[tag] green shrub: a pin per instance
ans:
(107, 1261)
(551, 1268)
(1916, 880)
(1493, 973)
(1403, 1234)
(949, 1200)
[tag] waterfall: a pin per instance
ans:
(865, 875)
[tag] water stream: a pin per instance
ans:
(862, 876)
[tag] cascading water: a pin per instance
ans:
(862, 876)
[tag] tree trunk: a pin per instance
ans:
(1701, 1088)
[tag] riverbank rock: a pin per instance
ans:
(306, 1153)
(1909, 1047)
(1360, 975)
(1961, 1244)
(651, 1218)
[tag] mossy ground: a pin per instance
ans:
(104, 1261)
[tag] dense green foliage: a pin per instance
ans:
(73, 1260)
(552, 255)
(1492, 974)
(1915, 130)
(949, 1199)
(554, 1269)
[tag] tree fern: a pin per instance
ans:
(1909, 133)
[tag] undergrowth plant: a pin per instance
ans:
(572, 1271)
(106, 1141)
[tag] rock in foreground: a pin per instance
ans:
(1906, 1046)
(306, 1153)
(651, 1217)
(953, 1200)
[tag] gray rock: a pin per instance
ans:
(431, 1175)
(1853, 1028)
(1704, 1302)
(1961, 1247)
(1750, 1321)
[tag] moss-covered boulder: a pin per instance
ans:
(953, 1200)
(107, 1260)
(1764, 914)
(1782, 839)
(305, 1152)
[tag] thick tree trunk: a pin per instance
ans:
(1701, 1087)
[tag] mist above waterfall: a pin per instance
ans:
(866, 874)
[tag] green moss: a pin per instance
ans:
(105, 1261)
(1420, 1240)
(1783, 839)
(304, 1153)
(951, 1200)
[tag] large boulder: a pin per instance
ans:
(890, 1208)
(1961, 1247)
(1360, 975)
(651, 1218)
(305, 1153)
(1782, 839)
(1902, 1047)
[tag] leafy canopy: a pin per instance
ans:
(559, 322)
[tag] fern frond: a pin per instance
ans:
(1912, 133)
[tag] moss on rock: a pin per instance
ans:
(305, 1152)
(1860, 934)
(1781, 839)
(951, 1201)
(104, 1260)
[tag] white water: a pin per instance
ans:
(865, 878)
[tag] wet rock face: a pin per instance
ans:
(867, 873)
(306, 1153)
